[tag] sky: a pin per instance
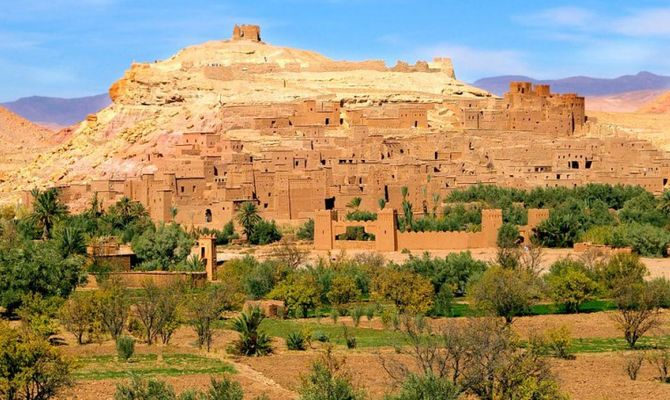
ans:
(71, 48)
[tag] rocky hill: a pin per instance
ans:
(658, 105)
(21, 141)
(154, 103)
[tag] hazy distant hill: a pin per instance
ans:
(583, 85)
(57, 111)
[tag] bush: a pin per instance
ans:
(306, 230)
(633, 364)
(661, 360)
(125, 347)
(328, 381)
(321, 337)
(153, 389)
(361, 215)
(264, 232)
(559, 342)
(343, 290)
(349, 339)
(356, 315)
(296, 341)
(426, 387)
(645, 240)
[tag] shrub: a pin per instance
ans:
(661, 360)
(296, 341)
(620, 270)
(153, 389)
(424, 387)
(646, 240)
(328, 381)
(356, 315)
(349, 339)
(633, 364)
(321, 337)
(125, 347)
(264, 232)
(306, 230)
(299, 292)
(559, 342)
(252, 342)
(361, 215)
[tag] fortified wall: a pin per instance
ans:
(389, 238)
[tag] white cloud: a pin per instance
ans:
(649, 22)
(576, 17)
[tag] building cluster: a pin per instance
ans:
(324, 154)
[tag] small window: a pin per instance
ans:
(208, 215)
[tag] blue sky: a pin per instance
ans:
(73, 48)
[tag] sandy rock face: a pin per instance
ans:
(247, 72)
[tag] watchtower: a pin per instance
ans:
(247, 32)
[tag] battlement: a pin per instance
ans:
(247, 32)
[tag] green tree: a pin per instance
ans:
(505, 292)
(381, 203)
(162, 248)
(31, 369)
(156, 309)
(78, 315)
(248, 217)
(36, 267)
(299, 292)
(47, 210)
(343, 290)
(112, 305)
(252, 341)
(571, 284)
(638, 308)
(409, 292)
(204, 306)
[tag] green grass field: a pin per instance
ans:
(147, 365)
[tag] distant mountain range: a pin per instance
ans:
(583, 85)
(57, 112)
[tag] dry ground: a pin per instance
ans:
(597, 376)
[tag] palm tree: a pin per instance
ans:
(248, 217)
(70, 241)
(47, 209)
(251, 341)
